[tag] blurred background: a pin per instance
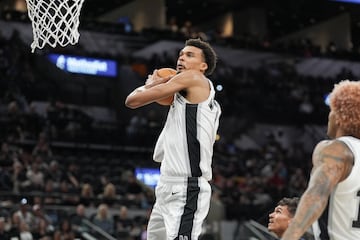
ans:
(75, 162)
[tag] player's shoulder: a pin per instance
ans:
(191, 74)
(331, 145)
(334, 147)
(191, 79)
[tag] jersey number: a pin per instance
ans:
(356, 224)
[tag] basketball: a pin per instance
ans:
(166, 72)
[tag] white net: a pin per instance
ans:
(54, 22)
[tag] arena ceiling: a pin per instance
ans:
(202, 10)
(196, 10)
(281, 14)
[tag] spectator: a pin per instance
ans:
(42, 147)
(15, 130)
(25, 214)
(34, 122)
(109, 195)
(133, 189)
(77, 220)
(64, 232)
(103, 219)
(36, 177)
(42, 165)
(124, 225)
(49, 192)
(42, 222)
(55, 174)
(173, 26)
(73, 175)
(187, 29)
(87, 194)
(297, 183)
(6, 155)
(14, 225)
(43, 231)
(5, 179)
(25, 233)
(69, 195)
(4, 234)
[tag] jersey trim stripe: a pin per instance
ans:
(187, 219)
(192, 141)
(323, 223)
(356, 224)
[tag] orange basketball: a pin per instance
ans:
(166, 72)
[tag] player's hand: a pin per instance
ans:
(154, 79)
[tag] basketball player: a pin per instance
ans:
(280, 218)
(185, 145)
(331, 201)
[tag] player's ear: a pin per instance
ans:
(289, 221)
(203, 66)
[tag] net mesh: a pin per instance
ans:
(54, 22)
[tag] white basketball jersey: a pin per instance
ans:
(185, 145)
(341, 218)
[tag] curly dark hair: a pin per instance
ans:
(208, 52)
(345, 102)
(291, 204)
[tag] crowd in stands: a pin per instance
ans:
(43, 162)
(181, 31)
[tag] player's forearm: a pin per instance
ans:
(311, 206)
(143, 96)
(306, 214)
(151, 83)
(132, 100)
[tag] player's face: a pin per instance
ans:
(279, 220)
(331, 129)
(191, 58)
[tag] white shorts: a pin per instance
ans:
(181, 206)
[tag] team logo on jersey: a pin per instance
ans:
(182, 237)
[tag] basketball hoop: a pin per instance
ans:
(54, 22)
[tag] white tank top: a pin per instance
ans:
(185, 145)
(341, 218)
